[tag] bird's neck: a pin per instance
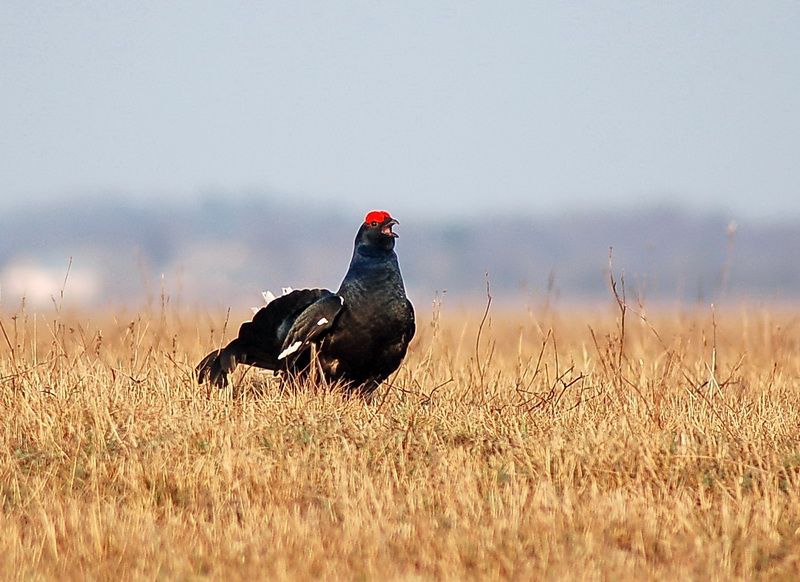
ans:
(380, 266)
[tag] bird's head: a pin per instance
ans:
(376, 233)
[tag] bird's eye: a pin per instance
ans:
(374, 223)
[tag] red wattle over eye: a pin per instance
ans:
(377, 216)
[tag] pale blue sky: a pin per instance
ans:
(419, 107)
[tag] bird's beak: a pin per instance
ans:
(387, 228)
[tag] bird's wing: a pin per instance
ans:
(310, 325)
(259, 341)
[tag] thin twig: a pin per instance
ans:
(481, 368)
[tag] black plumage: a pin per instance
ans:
(360, 333)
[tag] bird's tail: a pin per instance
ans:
(216, 366)
(260, 341)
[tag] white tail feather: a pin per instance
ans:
(268, 296)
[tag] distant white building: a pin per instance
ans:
(41, 285)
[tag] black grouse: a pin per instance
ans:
(360, 333)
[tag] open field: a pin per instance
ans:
(549, 445)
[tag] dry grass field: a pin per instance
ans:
(587, 444)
